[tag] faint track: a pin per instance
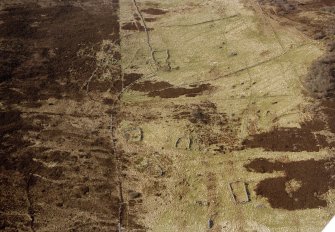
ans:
(204, 22)
(87, 83)
(31, 211)
(270, 24)
(151, 50)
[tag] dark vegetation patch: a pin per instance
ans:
(150, 19)
(149, 86)
(320, 81)
(18, 23)
(148, 116)
(166, 90)
(304, 182)
(287, 139)
(154, 11)
(211, 127)
(329, 9)
(321, 78)
(177, 91)
(314, 178)
(136, 17)
(12, 54)
(281, 7)
(109, 101)
(308, 137)
(316, 4)
(134, 26)
(287, 7)
(39, 60)
(314, 125)
(16, 163)
(9, 117)
(319, 27)
(328, 108)
(128, 79)
(12, 124)
(203, 113)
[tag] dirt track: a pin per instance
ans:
(166, 115)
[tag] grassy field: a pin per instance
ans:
(255, 68)
(185, 116)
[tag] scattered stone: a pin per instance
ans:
(202, 203)
(319, 35)
(210, 223)
(133, 134)
(184, 143)
(85, 189)
(239, 192)
(59, 204)
(233, 54)
(134, 195)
